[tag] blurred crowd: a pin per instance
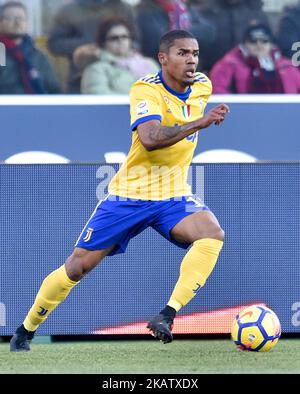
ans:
(103, 46)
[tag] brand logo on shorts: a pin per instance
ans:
(88, 234)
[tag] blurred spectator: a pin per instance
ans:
(156, 17)
(27, 69)
(289, 29)
(256, 66)
(74, 33)
(119, 66)
(228, 19)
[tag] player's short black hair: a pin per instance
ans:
(167, 40)
(11, 4)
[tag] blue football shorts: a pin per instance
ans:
(116, 220)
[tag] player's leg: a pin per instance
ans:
(202, 230)
(113, 222)
(54, 290)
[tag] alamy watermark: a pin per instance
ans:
(2, 55)
(296, 55)
(2, 315)
(296, 314)
(154, 183)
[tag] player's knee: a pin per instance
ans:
(219, 235)
(77, 266)
(216, 233)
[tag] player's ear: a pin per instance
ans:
(162, 57)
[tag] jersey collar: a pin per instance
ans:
(182, 96)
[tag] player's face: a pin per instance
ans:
(181, 62)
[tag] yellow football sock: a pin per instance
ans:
(195, 268)
(54, 289)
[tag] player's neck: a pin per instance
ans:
(173, 84)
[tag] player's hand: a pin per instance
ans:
(214, 116)
(224, 109)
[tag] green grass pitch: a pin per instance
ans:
(151, 357)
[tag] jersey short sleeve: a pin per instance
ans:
(144, 104)
(203, 86)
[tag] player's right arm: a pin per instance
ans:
(155, 136)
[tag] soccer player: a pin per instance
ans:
(150, 189)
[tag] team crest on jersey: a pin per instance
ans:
(186, 111)
(142, 108)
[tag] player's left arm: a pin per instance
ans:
(155, 136)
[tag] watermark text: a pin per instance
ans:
(296, 55)
(149, 183)
(2, 55)
(2, 315)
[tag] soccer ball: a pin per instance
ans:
(256, 328)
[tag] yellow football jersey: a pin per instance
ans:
(162, 173)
